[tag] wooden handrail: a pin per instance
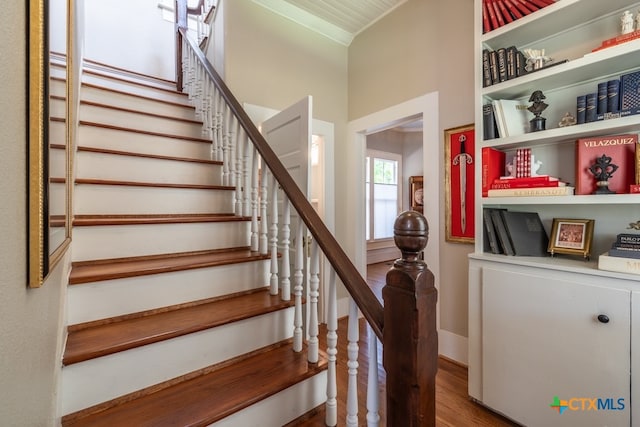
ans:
(358, 288)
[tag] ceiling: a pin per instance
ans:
(340, 20)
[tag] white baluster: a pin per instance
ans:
(233, 134)
(255, 172)
(248, 196)
(225, 144)
(352, 365)
(298, 277)
(263, 211)
(285, 271)
(205, 109)
(373, 397)
(239, 144)
(314, 282)
(274, 237)
(331, 411)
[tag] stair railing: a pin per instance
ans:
(265, 192)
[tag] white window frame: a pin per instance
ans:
(373, 243)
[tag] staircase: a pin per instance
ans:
(171, 321)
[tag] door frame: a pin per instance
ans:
(425, 106)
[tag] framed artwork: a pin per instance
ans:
(571, 236)
(416, 193)
(459, 162)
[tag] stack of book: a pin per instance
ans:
(613, 98)
(624, 255)
(514, 233)
(496, 13)
(622, 38)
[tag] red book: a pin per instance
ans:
(496, 10)
(513, 9)
(516, 183)
(486, 25)
(527, 180)
(492, 167)
(634, 188)
(504, 12)
(621, 149)
(539, 3)
(527, 5)
(614, 41)
(492, 14)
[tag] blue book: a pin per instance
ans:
(624, 253)
(613, 96)
(602, 98)
(591, 112)
(581, 108)
(630, 91)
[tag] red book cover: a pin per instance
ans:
(504, 12)
(621, 149)
(634, 188)
(539, 3)
(496, 10)
(513, 9)
(518, 183)
(520, 7)
(618, 40)
(492, 14)
(486, 25)
(527, 180)
(526, 4)
(492, 167)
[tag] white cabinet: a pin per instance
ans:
(541, 334)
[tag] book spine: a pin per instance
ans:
(591, 113)
(525, 4)
(635, 188)
(491, 232)
(613, 96)
(512, 52)
(496, 10)
(529, 180)
(531, 192)
(581, 109)
(621, 38)
(501, 185)
(502, 64)
(630, 91)
(492, 163)
(622, 265)
(539, 3)
(488, 122)
(521, 64)
(493, 66)
(486, 25)
(627, 239)
(486, 70)
(517, 14)
(622, 253)
(492, 14)
(501, 231)
(504, 12)
(602, 98)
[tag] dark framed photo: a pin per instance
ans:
(459, 162)
(416, 193)
(571, 236)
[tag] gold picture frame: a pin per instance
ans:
(571, 236)
(416, 193)
(459, 176)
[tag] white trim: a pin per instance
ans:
(453, 346)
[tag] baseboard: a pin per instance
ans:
(453, 346)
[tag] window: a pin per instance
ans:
(383, 193)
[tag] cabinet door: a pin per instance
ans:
(542, 339)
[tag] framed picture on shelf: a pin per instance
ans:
(416, 193)
(459, 162)
(571, 236)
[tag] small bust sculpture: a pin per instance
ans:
(538, 106)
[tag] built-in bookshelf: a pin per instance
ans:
(517, 303)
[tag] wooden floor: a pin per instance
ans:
(453, 406)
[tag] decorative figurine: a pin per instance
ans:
(626, 22)
(535, 165)
(536, 59)
(538, 106)
(567, 120)
(602, 169)
(638, 20)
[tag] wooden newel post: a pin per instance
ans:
(410, 350)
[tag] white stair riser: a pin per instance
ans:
(103, 96)
(105, 242)
(144, 169)
(91, 382)
(282, 407)
(57, 198)
(57, 163)
(57, 88)
(113, 139)
(57, 108)
(138, 121)
(118, 199)
(136, 89)
(100, 300)
(57, 133)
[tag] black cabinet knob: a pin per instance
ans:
(603, 318)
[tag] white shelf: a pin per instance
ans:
(611, 199)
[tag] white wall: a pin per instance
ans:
(29, 318)
(130, 34)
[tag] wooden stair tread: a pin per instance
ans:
(210, 397)
(88, 220)
(103, 339)
(92, 271)
(144, 132)
(92, 181)
(139, 112)
(144, 155)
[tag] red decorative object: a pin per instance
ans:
(459, 184)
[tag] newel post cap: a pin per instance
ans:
(411, 234)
